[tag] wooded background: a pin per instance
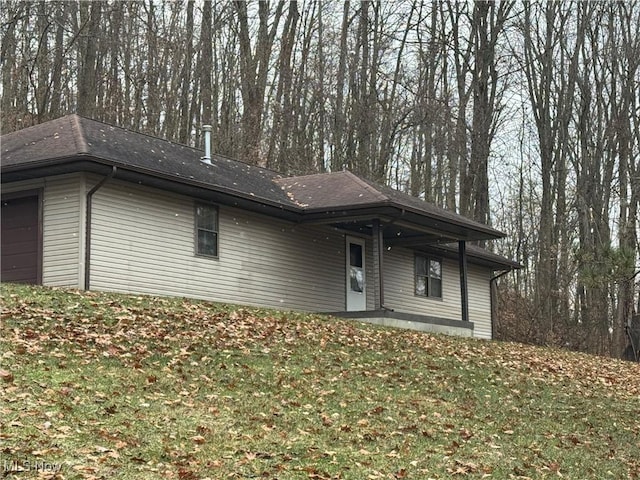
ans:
(522, 115)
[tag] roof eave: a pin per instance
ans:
(476, 256)
(387, 210)
(463, 230)
(91, 164)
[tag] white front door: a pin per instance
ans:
(356, 284)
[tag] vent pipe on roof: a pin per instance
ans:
(206, 129)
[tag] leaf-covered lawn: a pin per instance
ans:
(109, 386)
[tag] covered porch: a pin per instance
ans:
(386, 234)
(465, 284)
(403, 239)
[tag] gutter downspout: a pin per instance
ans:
(87, 250)
(493, 292)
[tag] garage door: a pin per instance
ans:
(21, 245)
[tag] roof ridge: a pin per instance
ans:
(362, 182)
(78, 134)
(307, 175)
(130, 130)
(172, 142)
(348, 173)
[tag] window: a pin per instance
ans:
(356, 268)
(206, 230)
(428, 277)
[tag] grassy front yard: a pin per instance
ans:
(98, 386)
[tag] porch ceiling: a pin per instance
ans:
(396, 235)
(424, 239)
(401, 234)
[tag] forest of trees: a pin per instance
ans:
(523, 115)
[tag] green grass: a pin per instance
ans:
(113, 386)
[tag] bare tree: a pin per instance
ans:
(87, 81)
(283, 115)
(15, 83)
(488, 25)
(412, 93)
(254, 70)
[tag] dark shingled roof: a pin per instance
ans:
(73, 137)
(336, 190)
(330, 190)
(74, 143)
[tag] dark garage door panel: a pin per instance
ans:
(20, 240)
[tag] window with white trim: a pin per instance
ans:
(206, 223)
(428, 277)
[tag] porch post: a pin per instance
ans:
(464, 292)
(378, 255)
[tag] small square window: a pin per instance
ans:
(428, 277)
(206, 223)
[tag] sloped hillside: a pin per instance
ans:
(98, 386)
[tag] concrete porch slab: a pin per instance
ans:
(411, 321)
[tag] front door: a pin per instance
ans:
(356, 285)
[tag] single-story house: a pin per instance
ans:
(94, 206)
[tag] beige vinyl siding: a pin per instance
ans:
(399, 287)
(400, 296)
(370, 275)
(479, 279)
(143, 242)
(63, 230)
(21, 186)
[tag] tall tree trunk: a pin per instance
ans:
(362, 118)
(206, 63)
(488, 25)
(339, 153)
(628, 67)
(8, 58)
(462, 56)
(254, 68)
(318, 93)
(87, 91)
(58, 61)
(278, 156)
(539, 65)
(42, 67)
(389, 110)
(184, 130)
